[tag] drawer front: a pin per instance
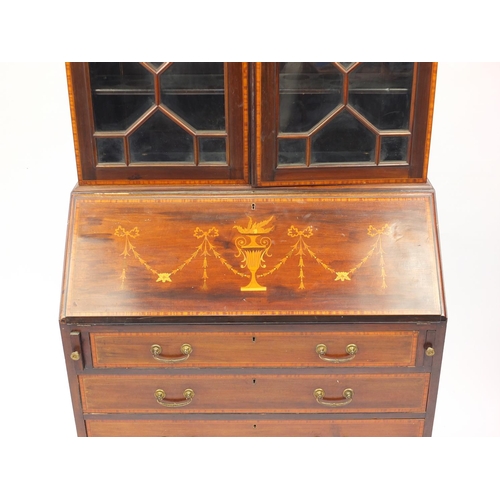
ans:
(256, 427)
(254, 349)
(254, 393)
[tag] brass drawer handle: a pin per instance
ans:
(351, 350)
(348, 394)
(160, 398)
(156, 350)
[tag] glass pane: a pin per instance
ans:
(308, 92)
(160, 139)
(394, 148)
(344, 139)
(212, 149)
(195, 92)
(292, 151)
(121, 93)
(381, 92)
(110, 150)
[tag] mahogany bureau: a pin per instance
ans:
(235, 270)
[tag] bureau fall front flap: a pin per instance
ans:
(251, 254)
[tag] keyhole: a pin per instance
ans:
(253, 339)
(253, 206)
(254, 381)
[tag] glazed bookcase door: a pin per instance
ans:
(342, 122)
(156, 122)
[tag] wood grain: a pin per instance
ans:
(258, 427)
(254, 393)
(171, 254)
(253, 349)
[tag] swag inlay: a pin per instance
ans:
(253, 245)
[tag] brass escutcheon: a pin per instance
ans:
(75, 355)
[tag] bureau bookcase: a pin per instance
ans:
(252, 250)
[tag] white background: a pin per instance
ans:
(37, 167)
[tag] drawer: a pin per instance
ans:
(258, 427)
(254, 349)
(258, 393)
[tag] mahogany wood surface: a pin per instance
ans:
(253, 349)
(187, 254)
(73, 367)
(435, 339)
(255, 393)
(108, 266)
(258, 427)
(253, 279)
